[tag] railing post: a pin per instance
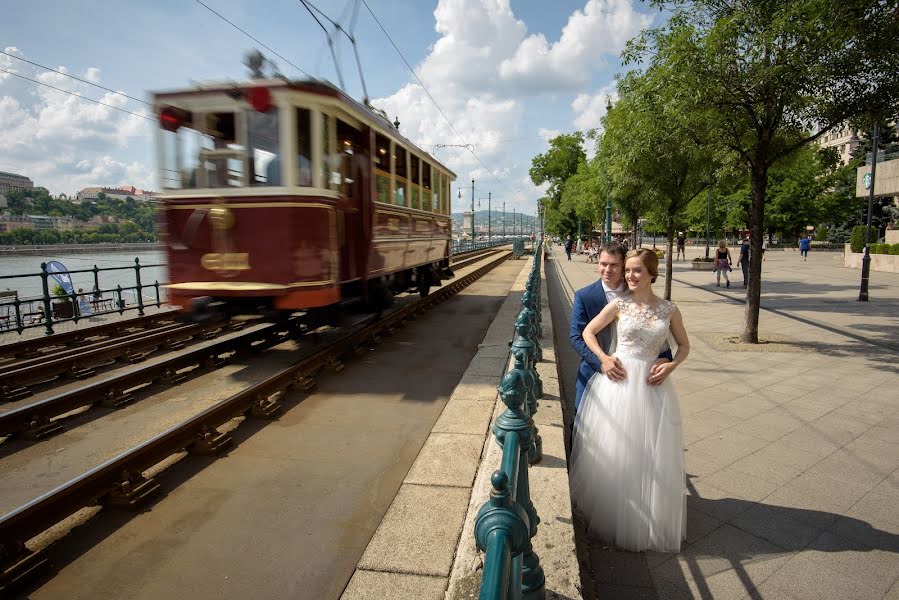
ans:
(140, 288)
(96, 279)
(17, 304)
(119, 301)
(156, 285)
(48, 314)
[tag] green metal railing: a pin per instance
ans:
(508, 521)
(47, 310)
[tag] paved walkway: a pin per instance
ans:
(792, 447)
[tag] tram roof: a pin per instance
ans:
(313, 86)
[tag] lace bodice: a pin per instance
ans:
(642, 329)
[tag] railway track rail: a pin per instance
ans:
(18, 379)
(120, 481)
(37, 346)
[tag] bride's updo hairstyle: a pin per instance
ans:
(649, 259)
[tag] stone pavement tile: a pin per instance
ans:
(715, 503)
(727, 564)
(883, 434)
(703, 424)
(741, 485)
(724, 448)
(625, 592)
(776, 526)
(746, 407)
(447, 459)
(893, 594)
(618, 567)
(869, 566)
(786, 391)
(376, 585)
(771, 425)
(767, 469)
(476, 388)
(419, 532)
(878, 507)
(699, 525)
(881, 455)
(840, 427)
(802, 578)
(815, 499)
(873, 405)
(870, 533)
(738, 386)
(487, 367)
(809, 408)
(849, 473)
(465, 416)
(701, 400)
(688, 385)
(810, 439)
(788, 455)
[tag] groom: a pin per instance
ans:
(589, 302)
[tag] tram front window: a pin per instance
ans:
(202, 153)
(263, 139)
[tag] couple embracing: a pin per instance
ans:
(627, 461)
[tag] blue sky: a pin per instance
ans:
(509, 75)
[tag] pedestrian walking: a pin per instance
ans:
(805, 244)
(743, 261)
(681, 246)
(764, 248)
(569, 244)
(723, 264)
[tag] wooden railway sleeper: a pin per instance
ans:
(174, 344)
(39, 427)
(18, 565)
(116, 398)
(209, 441)
(305, 382)
(265, 407)
(215, 361)
(130, 491)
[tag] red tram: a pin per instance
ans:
(286, 195)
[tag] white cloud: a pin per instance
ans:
(63, 142)
(590, 36)
(590, 109)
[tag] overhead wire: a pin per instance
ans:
(96, 85)
(424, 87)
(14, 74)
(226, 20)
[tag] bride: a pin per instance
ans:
(627, 466)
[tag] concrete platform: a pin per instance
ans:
(792, 447)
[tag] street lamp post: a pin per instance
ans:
(608, 217)
(489, 230)
(866, 259)
(472, 211)
(504, 221)
(708, 219)
(514, 214)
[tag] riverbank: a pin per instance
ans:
(79, 249)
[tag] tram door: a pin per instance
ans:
(353, 157)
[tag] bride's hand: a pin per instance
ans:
(659, 371)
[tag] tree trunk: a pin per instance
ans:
(669, 264)
(759, 181)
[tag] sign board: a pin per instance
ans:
(866, 181)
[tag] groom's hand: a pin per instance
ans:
(613, 368)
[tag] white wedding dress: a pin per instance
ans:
(627, 465)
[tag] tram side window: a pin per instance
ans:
(220, 159)
(304, 147)
(349, 146)
(381, 160)
(416, 193)
(401, 182)
(426, 195)
(263, 139)
(441, 204)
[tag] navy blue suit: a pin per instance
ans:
(589, 302)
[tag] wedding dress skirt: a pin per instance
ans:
(627, 466)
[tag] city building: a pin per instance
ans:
(844, 139)
(91, 194)
(10, 182)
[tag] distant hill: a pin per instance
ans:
(496, 221)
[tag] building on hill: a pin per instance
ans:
(11, 182)
(91, 194)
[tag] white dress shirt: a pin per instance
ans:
(613, 294)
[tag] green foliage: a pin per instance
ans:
(881, 248)
(58, 290)
(857, 238)
(139, 226)
(821, 234)
(555, 167)
(894, 249)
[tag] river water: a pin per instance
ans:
(29, 286)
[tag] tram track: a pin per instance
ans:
(121, 480)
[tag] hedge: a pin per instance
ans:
(857, 238)
(894, 249)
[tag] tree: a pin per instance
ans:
(654, 134)
(554, 167)
(770, 69)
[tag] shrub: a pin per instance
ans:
(857, 238)
(821, 235)
(880, 248)
(704, 259)
(58, 290)
(894, 249)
